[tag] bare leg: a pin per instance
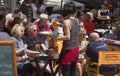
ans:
(79, 69)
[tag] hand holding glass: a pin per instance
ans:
(37, 47)
(54, 23)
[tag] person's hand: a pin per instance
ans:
(25, 46)
(33, 54)
(51, 51)
(54, 37)
(25, 57)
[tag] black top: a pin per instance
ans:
(73, 42)
(31, 42)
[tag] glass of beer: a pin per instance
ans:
(37, 47)
(54, 23)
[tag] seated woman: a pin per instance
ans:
(24, 67)
(82, 48)
(103, 13)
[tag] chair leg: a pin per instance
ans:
(58, 70)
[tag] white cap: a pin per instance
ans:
(44, 16)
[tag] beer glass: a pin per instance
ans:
(37, 47)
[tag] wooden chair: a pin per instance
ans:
(110, 57)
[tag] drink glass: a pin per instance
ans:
(54, 23)
(37, 47)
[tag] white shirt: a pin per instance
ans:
(34, 9)
(9, 18)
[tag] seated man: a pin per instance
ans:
(32, 39)
(95, 45)
(113, 33)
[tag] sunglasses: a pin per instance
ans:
(35, 30)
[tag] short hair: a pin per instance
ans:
(29, 27)
(17, 10)
(78, 14)
(87, 16)
(17, 30)
(17, 20)
(44, 16)
(38, 12)
(69, 8)
(40, 1)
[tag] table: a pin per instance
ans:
(113, 45)
(47, 59)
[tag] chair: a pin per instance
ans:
(57, 70)
(105, 57)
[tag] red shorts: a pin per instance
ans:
(71, 56)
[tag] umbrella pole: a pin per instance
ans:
(61, 6)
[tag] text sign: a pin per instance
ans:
(110, 57)
(7, 59)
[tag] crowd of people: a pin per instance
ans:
(73, 31)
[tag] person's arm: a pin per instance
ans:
(21, 49)
(18, 58)
(88, 58)
(66, 29)
(31, 53)
(99, 13)
(44, 47)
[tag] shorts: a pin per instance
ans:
(71, 56)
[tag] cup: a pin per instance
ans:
(37, 47)
(54, 23)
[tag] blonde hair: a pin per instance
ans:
(17, 30)
(82, 30)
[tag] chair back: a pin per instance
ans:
(109, 57)
(105, 57)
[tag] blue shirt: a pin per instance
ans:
(93, 49)
(19, 44)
